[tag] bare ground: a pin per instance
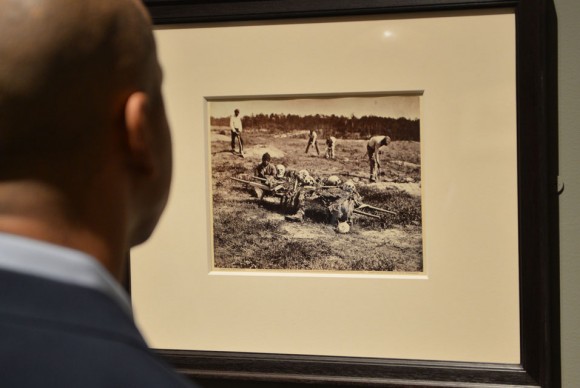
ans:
(252, 234)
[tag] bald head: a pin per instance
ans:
(65, 67)
(85, 149)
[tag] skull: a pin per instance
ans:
(303, 175)
(343, 227)
(280, 171)
(333, 180)
(309, 180)
(349, 186)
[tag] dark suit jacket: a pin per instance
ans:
(59, 335)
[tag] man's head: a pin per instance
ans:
(82, 119)
(266, 158)
(237, 112)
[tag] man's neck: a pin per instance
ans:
(78, 240)
(36, 210)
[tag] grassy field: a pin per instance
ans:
(253, 235)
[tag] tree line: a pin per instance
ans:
(339, 126)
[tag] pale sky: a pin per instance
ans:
(381, 106)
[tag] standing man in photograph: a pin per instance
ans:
(85, 171)
(373, 146)
(236, 129)
(312, 140)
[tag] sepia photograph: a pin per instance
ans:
(316, 183)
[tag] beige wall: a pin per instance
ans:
(569, 106)
(569, 133)
(441, 295)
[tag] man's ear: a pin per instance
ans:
(138, 136)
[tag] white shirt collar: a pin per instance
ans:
(57, 263)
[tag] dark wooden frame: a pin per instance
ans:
(537, 205)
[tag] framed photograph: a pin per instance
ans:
(302, 198)
(364, 194)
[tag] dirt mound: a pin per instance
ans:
(256, 151)
(413, 188)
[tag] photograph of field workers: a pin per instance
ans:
(317, 184)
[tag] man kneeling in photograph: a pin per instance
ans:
(266, 173)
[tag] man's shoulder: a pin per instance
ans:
(72, 359)
(73, 336)
(376, 139)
